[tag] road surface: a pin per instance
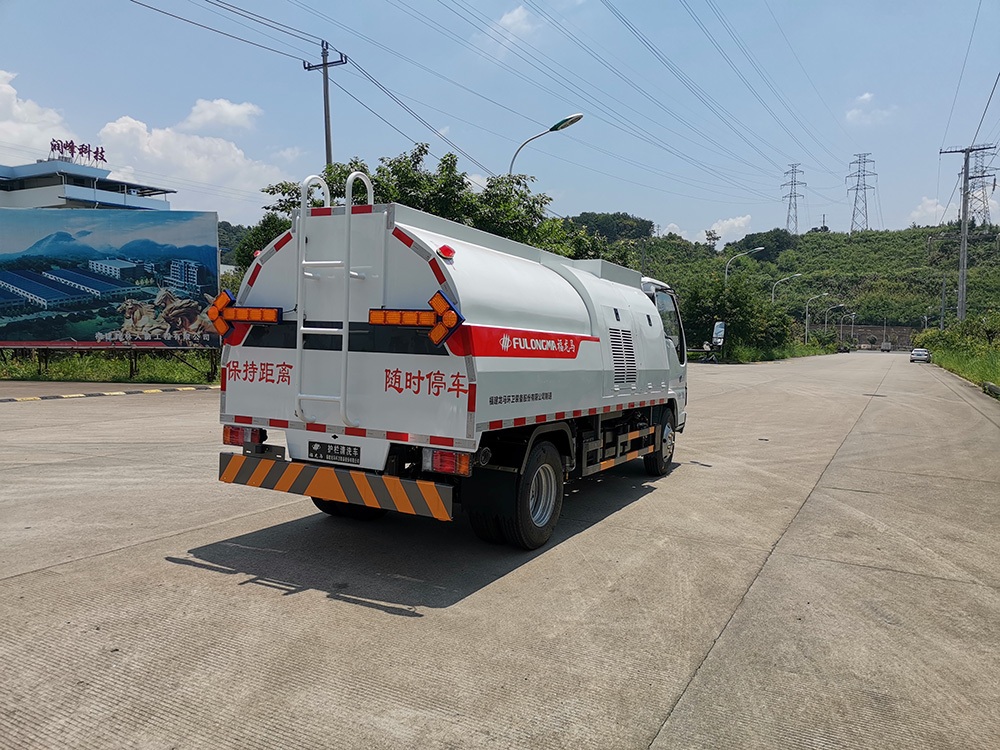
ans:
(820, 569)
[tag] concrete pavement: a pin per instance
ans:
(819, 569)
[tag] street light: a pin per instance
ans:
(561, 125)
(824, 294)
(737, 256)
(793, 276)
(846, 315)
(826, 320)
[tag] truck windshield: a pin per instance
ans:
(667, 307)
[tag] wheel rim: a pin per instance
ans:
(542, 498)
(669, 436)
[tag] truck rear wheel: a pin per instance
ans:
(657, 463)
(349, 510)
(533, 515)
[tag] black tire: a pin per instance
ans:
(657, 463)
(349, 510)
(487, 527)
(532, 517)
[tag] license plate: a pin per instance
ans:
(345, 454)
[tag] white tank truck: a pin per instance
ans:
(471, 370)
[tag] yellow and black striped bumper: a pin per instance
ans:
(414, 496)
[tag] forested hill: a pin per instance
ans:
(877, 274)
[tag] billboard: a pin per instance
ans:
(107, 278)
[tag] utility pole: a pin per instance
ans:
(792, 222)
(325, 49)
(944, 301)
(859, 219)
(963, 255)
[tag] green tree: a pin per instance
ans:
(260, 236)
(613, 226)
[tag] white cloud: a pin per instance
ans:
(931, 211)
(289, 154)
(445, 130)
(210, 174)
(478, 181)
(27, 124)
(675, 229)
(220, 113)
(518, 21)
(727, 229)
(864, 112)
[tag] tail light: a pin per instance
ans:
(447, 462)
(239, 435)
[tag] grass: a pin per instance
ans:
(977, 367)
(740, 353)
(190, 367)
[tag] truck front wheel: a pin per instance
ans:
(536, 508)
(657, 463)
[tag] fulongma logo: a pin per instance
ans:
(543, 345)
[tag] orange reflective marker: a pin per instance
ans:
(222, 312)
(443, 319)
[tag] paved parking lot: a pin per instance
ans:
(820, 569)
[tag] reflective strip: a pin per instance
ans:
(398, 494)
(259, 473)
(290, 475)
(433, 500)
(361, 482)
(229, 474)
(326, 485)
(415, 497)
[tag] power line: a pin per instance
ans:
(763, 75)
(217, 31)
(961, 74)
(726, 117)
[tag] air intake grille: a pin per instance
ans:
(622, 355)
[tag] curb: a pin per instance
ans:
(112, 393)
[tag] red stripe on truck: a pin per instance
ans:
(472, 398)
(282, 423)
(243, 420)
(402, 236)
(446, 442)
(314, 427)
(362, 209)
(254, 274)
(402, 437)
(325, 211)
(438, 274)
(283, 241)
(487, 341)
(355, 431)
(222, 380)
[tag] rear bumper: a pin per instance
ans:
(413, 496)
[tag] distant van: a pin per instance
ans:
(886, 346)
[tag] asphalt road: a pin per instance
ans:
(820, 569)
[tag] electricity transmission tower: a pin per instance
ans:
(860, 188)
(792, 222)
(980, 188)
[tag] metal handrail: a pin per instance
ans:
(345, 330)
(300, 247)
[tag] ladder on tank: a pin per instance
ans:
(305, 271)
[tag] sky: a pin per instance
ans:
(693, 110)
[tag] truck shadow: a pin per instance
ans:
(401, 563)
